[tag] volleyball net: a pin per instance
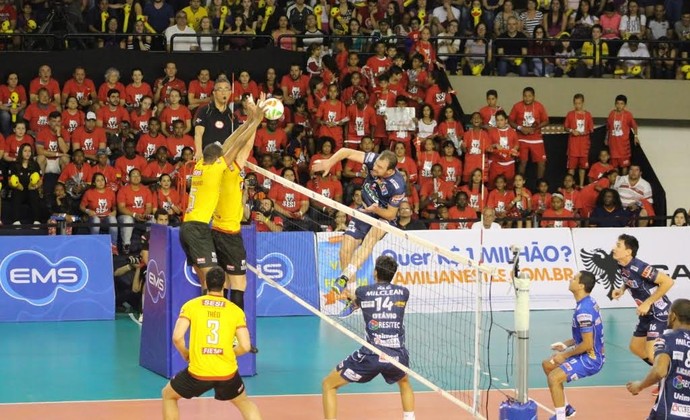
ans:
(456, 345)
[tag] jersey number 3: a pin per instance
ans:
(212, 337)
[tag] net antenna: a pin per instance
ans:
(434, 371)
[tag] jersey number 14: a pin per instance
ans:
(383, 303)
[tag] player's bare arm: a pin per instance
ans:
(344, 153)
(244, 344)
(388, 213)
(664, 283)
(238, 140)
(585, 346)
(181, 327)
(656, 373)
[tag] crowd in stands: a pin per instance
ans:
(622, 38)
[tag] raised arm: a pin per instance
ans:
(344, 153)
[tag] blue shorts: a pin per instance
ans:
(359, 229)
(581, 366)
(650, 327)
(363, 366)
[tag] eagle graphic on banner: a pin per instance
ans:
(604, 267)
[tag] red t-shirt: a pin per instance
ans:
(72, 122)
(201, 91)
(49, 140)
(110, 174)
(489, 115)
(451, 130)
(329, 187)
(506, 139)
(589, 194)
(37, 116)
(104, 88)
(124, 165)
(89, 142)
(571, 199)
(447, 189)
(355, 167)
(79, 91)
(417, 84)
(135, 201)
(5, 95)
(359, 124)
(169, 116)
(239, 90)
(338, 167)
(531, 115)
(558, 223)
(53, 87)
(578, 146)
(176, 83)
(111, 119)
(140, 122)
(379, 65)
(295, 88)
(165, 202)
(619, 125)
(288, 199)
(452, 170)
(270, 141)
(476, 143)
(262, 227)
(100, 202)
(380, 101)
(476, 199)
(597, 170)
(155, 170)
(437, 99)
(79, 175)
(540, 203)
(467, 213)
(12, 144)
(425, 161)
(147, 145)
(499, 201)
(332, 113)
(410, 167)
(176, 145)
(133, 94)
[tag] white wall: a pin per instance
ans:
(668, 149)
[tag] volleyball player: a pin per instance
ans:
(583, 354)
(204, 194)
(383, 307)
(382, 191)
(229, 213)
(671, 366)
(648, 286)
(215, 324)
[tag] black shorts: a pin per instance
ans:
(232, 256)
(650, 327)
(197, 244)
(189, 387)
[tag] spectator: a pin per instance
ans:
(511, 46)
(168, 199)
(8, 14)
(501, 22)
(528, 117)
(14, 142)
(504, 148)
(582, 21)
(442, 216)
(164, 85)
(405, 220)
(680, 218)
(557, 216)
(25, 187)
(682, 27)
(609, 211)
(521, 206)
(326, 150)
(111, 39)
(425, 47)
(590, 193)
(475, 144)
(241, 33)
(405, 161)
(634, 22)
(72, 117)
(76, 176)
(81, 88)
(488, 112)
(267, 17)
(436, 192)
(541, 200)
(112, 81)
(449, 45)
(282, 35)
(266, 219)
(610, 22)
(295, 85)
(130, 160)
(427, 157)
(150, 142)
(160, 15)
(361, 120)
(183, 40)
(478, 53)
(297, 15)
(565, 57)
(291, 205)
(10, 107)
(340, 222)
(178, 141)
(663, 66)
(632, 60)
(593, 55)
(140, 116)
(462, 211)
(440, 96)
(555, 20)
(579, 124)
(97, 19)
(139, 40)
(635, 193)
(195, 13)
(619, 125)
(52, 145)
(530, 18)
(571, 195)
(540, 51)
(37, 113)
(175, 111)
(659, 26)
(355, 172)
(487, 220)
(112, 114)
(136, 10)
(445, 13)
(100, 207)
(157, 167)
(112, 177)
(61, 208)
(137, 90)
(328, 187)
(45, 80)
(339, 22)
(600, 167)
(134, 205)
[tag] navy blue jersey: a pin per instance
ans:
(382, 191)
(639, 277)
(587, 319)
(674, 397)
(383, 307)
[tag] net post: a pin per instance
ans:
(522, 283)
(476, 397)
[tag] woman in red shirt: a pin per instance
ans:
(169, 200)
(476, 191)
(426, 159)
(450, 128)
(290, 204)
(99, 204)
(135, 203)
(500, 199)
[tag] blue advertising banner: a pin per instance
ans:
(56, 278)
(288, 258)
(170, 282)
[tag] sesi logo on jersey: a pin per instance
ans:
(32, 277)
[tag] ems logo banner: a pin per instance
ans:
(56, 278)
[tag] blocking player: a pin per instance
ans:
(383, 307)
(672, 366)
(382, 191)
(528, 117)
(583, 354)
(195, 234)
(648, 287)
(215, 323)
(229, 212)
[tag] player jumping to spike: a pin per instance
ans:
(648, 286)
(382, 191)
(582, 355)
(381, 300)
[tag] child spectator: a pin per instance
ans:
(619, 125)
(600, 167)
(504, 148)
(579, 124)
(557, 215)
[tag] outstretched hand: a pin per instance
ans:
(322, 165)
(256, 110)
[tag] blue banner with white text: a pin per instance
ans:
(56, 278)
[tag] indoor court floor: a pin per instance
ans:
(90, 370)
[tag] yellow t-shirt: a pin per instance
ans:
(205, 190)
(230, 209)
(214, 321)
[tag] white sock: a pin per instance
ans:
(560, 413)
(408, 415)
(350, 272)
(352, 287)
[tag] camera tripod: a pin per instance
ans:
(59, 24)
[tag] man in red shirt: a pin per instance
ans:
(270, 139)
(528, 117)
(295, 85)
(579, 124)
(112, 114)
(381, 99)
(150, 142)
(89, 138)
(77, 175)
(37, 112)
(81, 88)
(361, 121)
(488, 112)
(557, 210)
(200, 90)
(618, 127)
(175, 111)
(157, 167)
(379, 63)
(45, 80)
(437, 191)
(178, 141)
(130, 160)
(328, 187)
(164, 85)
(265, 218)
(52, 145)
(462, 211)
(331, 117)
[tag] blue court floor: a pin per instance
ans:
(79, 361)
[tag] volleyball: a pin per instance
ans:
(274, 108)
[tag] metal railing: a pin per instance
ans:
(219, 40)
